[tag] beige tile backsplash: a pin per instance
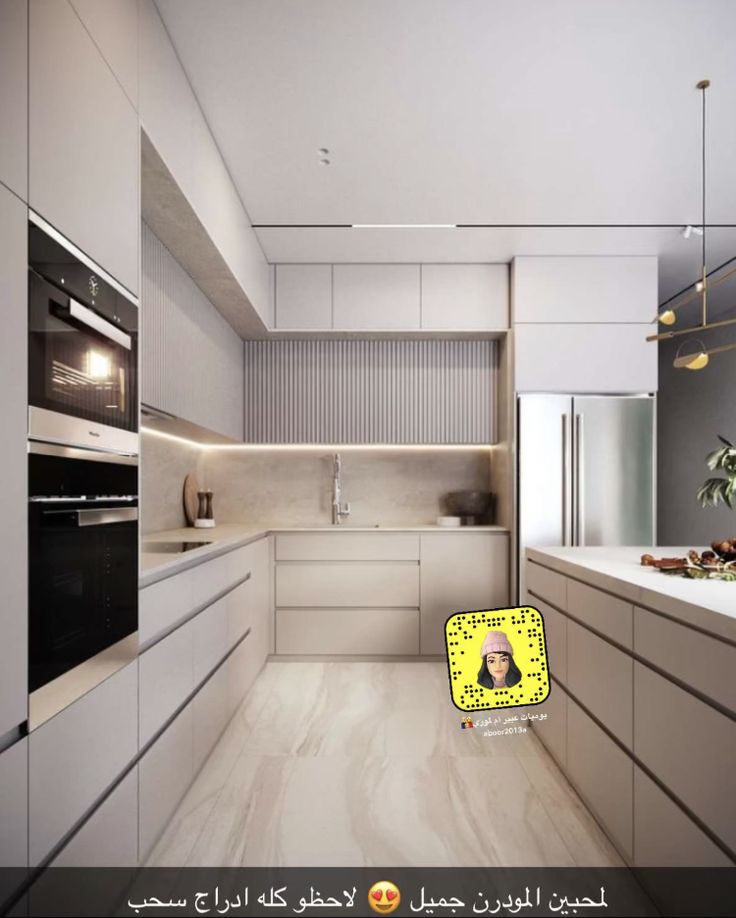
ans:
(294, 488)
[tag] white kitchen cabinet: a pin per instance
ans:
(303, 296)
(460, 571)
(576, 357)
(347, 631)
(376, 297)
(109, 838)
(14, 96)
(14, 805)
(82, 750)
(546, 584)
(564, 289)
(601, 611)
(83, 142)
(553, 730)
(209, 632)
(603, 774)
(211, 714)
(346, 583)
(114, 27)
(166, 679)
(13, 498)
(347, 546)
(465, 297)
(245, 663)
(165, 773)
(555, 633)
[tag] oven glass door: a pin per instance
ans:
(80, 363)
(83, 584)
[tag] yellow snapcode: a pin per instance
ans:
(497, 658)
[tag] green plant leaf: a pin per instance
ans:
(715, 459)
(724, 440)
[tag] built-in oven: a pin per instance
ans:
(83, 572)
(82, 349)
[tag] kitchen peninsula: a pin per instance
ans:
(643, 706)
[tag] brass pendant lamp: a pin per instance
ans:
(700, 357)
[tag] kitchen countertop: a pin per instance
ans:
(706, 604)
(155, 566)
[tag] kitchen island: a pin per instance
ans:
(641, 716)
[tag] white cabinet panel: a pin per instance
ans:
(603, 775)
(585, 358)
(555, 633)
(546, 584)
(605, 613)
(347, 631)
(14, 96)
(347, 584)
(109, 838)
(165, 773)
(210, 629)
(83, 142)
(246, 662)
(14, 805)
(553, 730)
(347, 546)
(304, 296)
(13, 498)
(211, 714)
(166, 679)
(664, 835)
(465, 297)
(367, 297)
(114, 27)
(585, 289)
(82, 750)
(460, 572)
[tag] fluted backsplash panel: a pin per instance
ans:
(370, 391)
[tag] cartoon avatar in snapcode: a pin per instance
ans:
(498, 669)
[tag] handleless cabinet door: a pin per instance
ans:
(375, 297)
(166, 679)
(553, 730)
(211, 714)
(83, 137)
(13, 497)
(14, 96)
(304, 296)
(465, 297)
(14, 806)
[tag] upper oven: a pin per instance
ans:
(82, 350)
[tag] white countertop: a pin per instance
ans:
(156, 566)
(707, 604)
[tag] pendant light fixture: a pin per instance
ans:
(699, 358)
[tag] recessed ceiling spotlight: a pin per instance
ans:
(324, 161)
(323, 151)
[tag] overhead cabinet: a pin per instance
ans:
(83, 142)
(14, 96)
(392, 297)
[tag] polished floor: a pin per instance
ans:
(365, 764)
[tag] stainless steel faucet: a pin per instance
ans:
(339, 510)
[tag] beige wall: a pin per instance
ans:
(164, 466)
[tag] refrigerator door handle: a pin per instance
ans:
(566, 496)
(579, 480)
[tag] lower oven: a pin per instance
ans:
(83, 572)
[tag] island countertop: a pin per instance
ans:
(706, 604)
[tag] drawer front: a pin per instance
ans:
(245, 663)
(347, 631)
(240, 611)
(166, 679)
(165, 773)
(210, 632)
(109, 838)
(691, 748)
(211, 714)
(162, 605)
(546, 584)
(14, 806)
(347, 584)
(601, 677)
(82, 750)
(555, 632)
(553, 730)
(603, 775)
(702, 661)
(348, 546)
(607, 614)
(665, 836)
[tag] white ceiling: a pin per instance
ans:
(469, 111)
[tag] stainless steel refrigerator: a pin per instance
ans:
(586, 472)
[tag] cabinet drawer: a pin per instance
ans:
(691, 748)
(166, 679)
(211, 714)
(608, 614)
(109, 838)
(210, 633)
(82, 750)
(601, 677)
(546, 584)
(246, 662)
(704, 662)
(603, 775)
(14, 806)
(165, 773)
(555, 632)
(348, 631)
(665, 836)
(163, 604)
(348, 546)
(553, 731)
(346, 584)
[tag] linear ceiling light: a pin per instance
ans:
(404, 226)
